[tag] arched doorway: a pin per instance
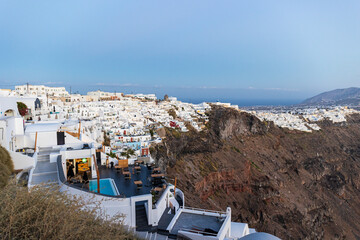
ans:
(9, 113)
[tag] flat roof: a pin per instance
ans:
(42, 127)
(197, 222)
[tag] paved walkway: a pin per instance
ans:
(45, 172)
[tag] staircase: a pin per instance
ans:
(45, 172)
(141, 219)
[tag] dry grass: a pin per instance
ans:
(46, 213)
(6, 167)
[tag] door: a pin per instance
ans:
(60, 138)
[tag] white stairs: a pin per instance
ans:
(44, 172)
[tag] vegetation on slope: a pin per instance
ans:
(46, 213)
(6, 167)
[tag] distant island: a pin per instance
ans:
(346, 96)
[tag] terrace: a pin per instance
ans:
(201, 223)
(135, 180)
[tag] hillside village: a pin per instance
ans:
(61, 138)
(129, 115)
(304, 119)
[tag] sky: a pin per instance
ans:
(264, 51)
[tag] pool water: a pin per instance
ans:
(107, 186)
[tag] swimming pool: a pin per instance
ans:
(107, 186)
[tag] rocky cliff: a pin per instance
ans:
(292, 184)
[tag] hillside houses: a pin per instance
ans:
(64, 145)
(304, 119)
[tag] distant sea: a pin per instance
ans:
(247, 102)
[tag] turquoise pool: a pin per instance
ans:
(107, 186)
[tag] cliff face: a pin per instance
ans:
(292, 184)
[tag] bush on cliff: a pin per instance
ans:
(6, 167)
(46, 213)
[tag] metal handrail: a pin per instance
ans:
(204, 210)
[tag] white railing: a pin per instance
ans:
(204, 210)
(224, 228)
(180, 193)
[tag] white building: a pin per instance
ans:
(97, 95)
(135, 189)
(41, 90)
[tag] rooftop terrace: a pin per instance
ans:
(128, 187)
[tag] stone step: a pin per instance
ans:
(43, 159)
(43, 155)
(50, 177)
(45, 166)
(46, 153)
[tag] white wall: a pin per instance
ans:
(44, 139)
(24, 141)
(83, 153)
(3, 137)
(239, 230)
(9, 128)
(148, 198)
(161, 205)
(7, 103)
(109, 205)
(53, 157)
(21, 161)
(70, 139)
(103, 159)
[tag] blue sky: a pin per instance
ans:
(279, 50)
